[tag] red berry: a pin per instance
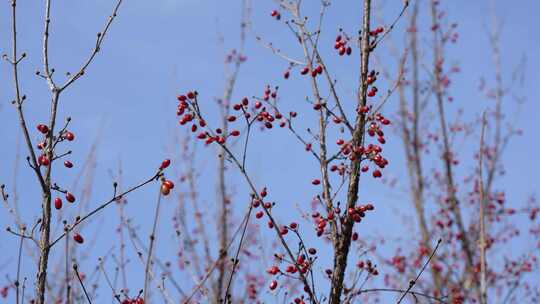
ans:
(316, 182)
(286, 75)
(78, 238)
(70, 197)
(43, 128)
(165, 190)
(191, 95)
(273, 285)
(259, 214)
(168, 184)
(165, 164)
(43, 160)
(69, 136)
(304, 71)
(273, 270)
(58, 203)
(68, 164)
(364, 109)
(235, 133)
(377, 173)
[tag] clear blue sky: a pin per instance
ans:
(157, 49)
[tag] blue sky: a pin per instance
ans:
(157, 49)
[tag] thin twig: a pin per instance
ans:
(115, 295)
(151, 247)
(99, 208)
(81, 282)
(236, 261)
(19, 262)
(416, 293)
(216, 263)
(415, 280)
(483, 264)
(100, 37)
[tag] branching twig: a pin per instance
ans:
(102, 206)
(415, 280)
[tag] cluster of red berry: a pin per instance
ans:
(357, 213)
(313, 71)
(187, 110)
(368, 266)
(133, 301)
(303, 264)
(45, 158)
(341, 45)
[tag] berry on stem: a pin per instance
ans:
(70, 197)
(165, 164)
(69, 136)
(43, 128)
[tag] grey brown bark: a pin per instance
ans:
(341, 251)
